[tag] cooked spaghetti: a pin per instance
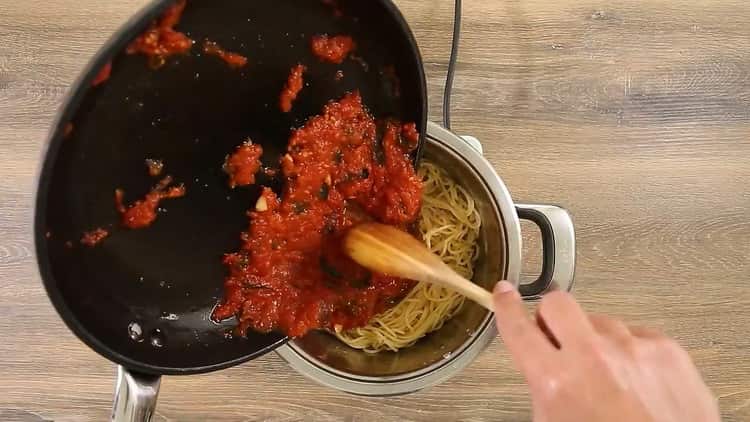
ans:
(449, 223)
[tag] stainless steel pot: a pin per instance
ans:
(444, 353)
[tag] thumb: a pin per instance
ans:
(523, 338)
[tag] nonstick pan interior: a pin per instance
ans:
(143, 298)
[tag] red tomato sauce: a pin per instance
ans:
(94, 237)
(234, 60)
(292, 88)
(142, 213)
(161, 40)
(291, 273)
(332, 49)
(103, 74)
(243, 164)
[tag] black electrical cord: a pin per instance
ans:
(452, 65)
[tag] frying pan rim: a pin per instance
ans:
(50, 152)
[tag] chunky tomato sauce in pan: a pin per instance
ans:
(291, 274)
(103, 74)
(142, 213)
(161, 40)
(332, 49)
(234, 60)
(242, 165)
(94, 237)
(292, 88)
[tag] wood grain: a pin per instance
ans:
(635, 115)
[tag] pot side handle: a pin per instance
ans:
(558, 249)
(474, 143)
(135, 396)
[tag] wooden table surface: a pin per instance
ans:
(634, 114)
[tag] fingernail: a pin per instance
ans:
(503, 287)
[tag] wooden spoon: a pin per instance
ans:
(388, 250)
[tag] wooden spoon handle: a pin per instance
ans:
(388, 250)
(459, 284)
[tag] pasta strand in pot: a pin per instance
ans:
(449, 223)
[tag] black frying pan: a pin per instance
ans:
(164, 281)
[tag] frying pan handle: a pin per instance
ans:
(135, 396)
(558, 249)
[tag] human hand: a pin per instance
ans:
(582, 367)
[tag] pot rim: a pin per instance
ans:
(440, 371)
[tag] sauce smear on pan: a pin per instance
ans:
(234, 60)
(94, 237)
(161, 40)
(292, 88)
(103, 74)
(142, 212)
(291, 273)
(332, 49)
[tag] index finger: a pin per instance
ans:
(526, 342)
